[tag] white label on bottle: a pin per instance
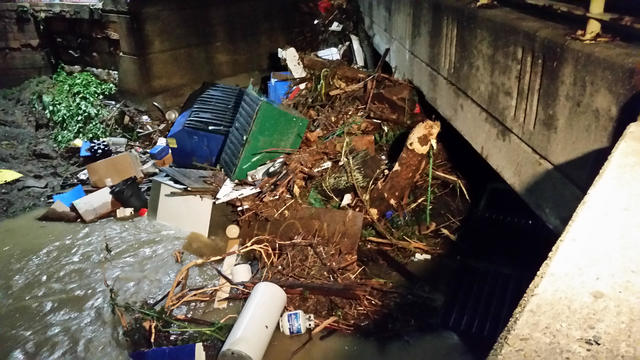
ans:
(295, 323)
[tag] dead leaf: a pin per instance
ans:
(313, 136)
(364, 143)
(446, 233)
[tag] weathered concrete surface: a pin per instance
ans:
(543, 110)
(20, 57)
(169, 48)
(163, 49)
(585, 301)
(34, 35)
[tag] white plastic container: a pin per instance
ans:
(296, 322)
(241, 273)
(256, 323)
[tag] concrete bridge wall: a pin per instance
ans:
(542, 109)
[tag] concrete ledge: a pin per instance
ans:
(585, 301)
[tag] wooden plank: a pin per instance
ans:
(227, 265)
(194, 180)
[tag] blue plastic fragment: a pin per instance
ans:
(159, 152)
(84, 149)
(70, 196)
(181, 352)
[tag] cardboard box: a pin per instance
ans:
(110, 171)
(165, 161)
(59, 212)
(96, 205)
(191, 212)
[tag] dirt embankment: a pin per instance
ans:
(25, 147)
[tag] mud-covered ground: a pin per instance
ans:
(25, 147)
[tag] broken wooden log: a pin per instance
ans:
(394, 190)
(394, 104)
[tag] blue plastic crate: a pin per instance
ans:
(277, 90)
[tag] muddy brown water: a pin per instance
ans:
(53, 303)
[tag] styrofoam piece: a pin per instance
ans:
(357, 50)
(295, 65)
(241, 273)
(230, 191)
(346, 200)
(336, 26)
(331, 53)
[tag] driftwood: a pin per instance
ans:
(353, 291)
(411, 245)
(393, 192)
(394, 104)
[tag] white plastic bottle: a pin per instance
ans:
(296, 322)
(256, 323)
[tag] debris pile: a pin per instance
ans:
(362, 178)
(288, 189)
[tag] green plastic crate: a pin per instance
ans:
(261, 132)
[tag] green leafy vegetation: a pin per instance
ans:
(386, 137)
(73, 105)
(368, 232)
(315, 199)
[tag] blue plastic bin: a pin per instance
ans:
(189, 146)
(199, 133)
(180, 352)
